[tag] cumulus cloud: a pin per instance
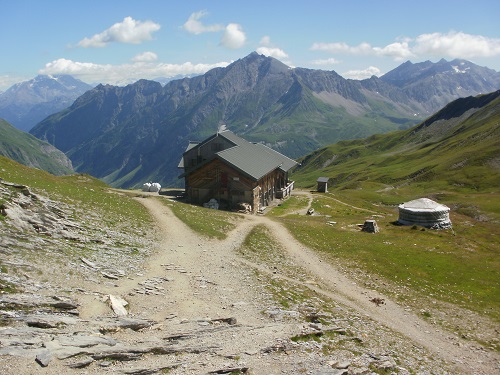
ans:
(362, 74)
(266, 48)
(398, 51)
(277, 53)
(127, 31)
(194, 26)
(330, 61)
(125, 73)
(145, 57)
(362, 49)
(456, 45)
(233, 37)
(265, 40)
(6, 81)
(452, 44)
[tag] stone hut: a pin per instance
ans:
(424, 212)
(322, 184)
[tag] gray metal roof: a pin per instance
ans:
(253, 159)
(322, 179)
(189, 147)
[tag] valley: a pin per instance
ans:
(250, 188)
(107, 280)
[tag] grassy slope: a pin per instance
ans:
(314, 123)
(454, 161)
(463, 157)
(28, 150)
(459, 266)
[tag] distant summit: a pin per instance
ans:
(409, 73)
(27, 103)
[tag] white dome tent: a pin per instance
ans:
(153, 187)
(425, 212)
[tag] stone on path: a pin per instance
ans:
(118, 305)
(44, 358)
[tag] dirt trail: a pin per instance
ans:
(335, 285)
(211, 307)
(217, 262)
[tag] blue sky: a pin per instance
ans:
(119, 42)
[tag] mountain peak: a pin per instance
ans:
(408, 74)
(27, 103)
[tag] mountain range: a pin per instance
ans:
(27, 103)
(127, 135)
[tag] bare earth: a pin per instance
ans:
(207, 282)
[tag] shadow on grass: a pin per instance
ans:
(176, 194)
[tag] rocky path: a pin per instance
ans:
(211, 259)
(199, 306)
(333, 284)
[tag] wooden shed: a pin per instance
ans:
(323, 184)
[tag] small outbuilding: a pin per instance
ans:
(425, 212)
(322, 184)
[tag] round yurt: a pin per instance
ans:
(424, 212)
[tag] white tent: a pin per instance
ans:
(155, 187)
(425, 212)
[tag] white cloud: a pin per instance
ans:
(362, 49)
(456, 45)
(145, 57)
(362, 74)
(399, 51)
(265, 41)
(266, 48)
(127, 31)
(234, 37)
(194, 26)
(330, 61)
(452, 45)
(7, 81)
(277, 53)
(125, 73)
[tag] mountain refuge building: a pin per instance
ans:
(233, 171)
